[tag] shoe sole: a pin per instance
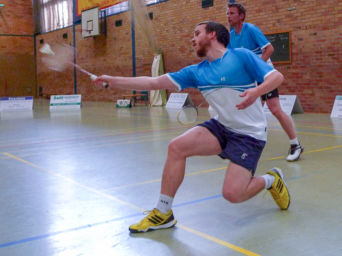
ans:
(293, 160)
(281, 175)
(164, 226)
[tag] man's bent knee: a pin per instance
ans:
(232, 195)
(175, 147)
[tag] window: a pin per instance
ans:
(122, 7)
(54, 14)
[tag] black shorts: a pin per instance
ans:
(270, 95)
(241, 149)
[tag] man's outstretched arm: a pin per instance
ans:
(141, 83)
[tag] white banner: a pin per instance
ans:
(178, 100)
(289, 104)
(16, 103)
(337, 108)
(123, 103)
(65, 101)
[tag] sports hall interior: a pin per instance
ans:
(71, 182)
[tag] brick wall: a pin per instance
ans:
(17, 60)
(314, 73)
(52, 82)
(316, 27)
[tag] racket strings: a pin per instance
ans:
(187, 115)
(61, 59)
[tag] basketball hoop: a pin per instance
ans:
(83, 30)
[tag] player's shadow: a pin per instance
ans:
(167, 242)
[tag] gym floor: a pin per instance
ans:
(72, 181)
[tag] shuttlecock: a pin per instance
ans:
(46, 49)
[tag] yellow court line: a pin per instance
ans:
(311, 133)
(323, 149)
(307, 152)
(72, 181)
(136, 140)
(216, 240)
(321, 134)
(221, 168)
(329, 128)
(159, 180)
(190, 230)
(319, 127)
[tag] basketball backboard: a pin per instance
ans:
(90, 22)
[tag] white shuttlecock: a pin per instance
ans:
(46, 49)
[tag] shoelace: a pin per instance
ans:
(147, 212)
(293, 148)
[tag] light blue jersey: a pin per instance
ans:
(250, 38)
(221, 83)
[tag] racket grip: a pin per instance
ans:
(104, 84)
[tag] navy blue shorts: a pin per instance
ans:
(241, 149)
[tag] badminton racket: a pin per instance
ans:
(61, 57)
(91, 75)
(189, 113)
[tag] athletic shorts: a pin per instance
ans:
(271, 94)
(240, 149)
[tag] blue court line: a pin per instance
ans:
(34, 238)
(197, 201)
(40, 237)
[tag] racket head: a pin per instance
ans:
(187, 115)
(60, 58)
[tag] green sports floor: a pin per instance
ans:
(72, 181)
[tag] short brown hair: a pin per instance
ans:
(240, 8)
(222, 33)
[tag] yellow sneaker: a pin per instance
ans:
(279, 189)
(153, 221)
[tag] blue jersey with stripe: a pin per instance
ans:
(250, 38)
(221, 83)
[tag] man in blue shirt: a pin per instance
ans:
(249, 36)
(227, 78)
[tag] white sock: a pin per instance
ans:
(164, 204)
(269, 179)
(294, 141)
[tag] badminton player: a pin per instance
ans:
(249, 36)
(237, 133)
